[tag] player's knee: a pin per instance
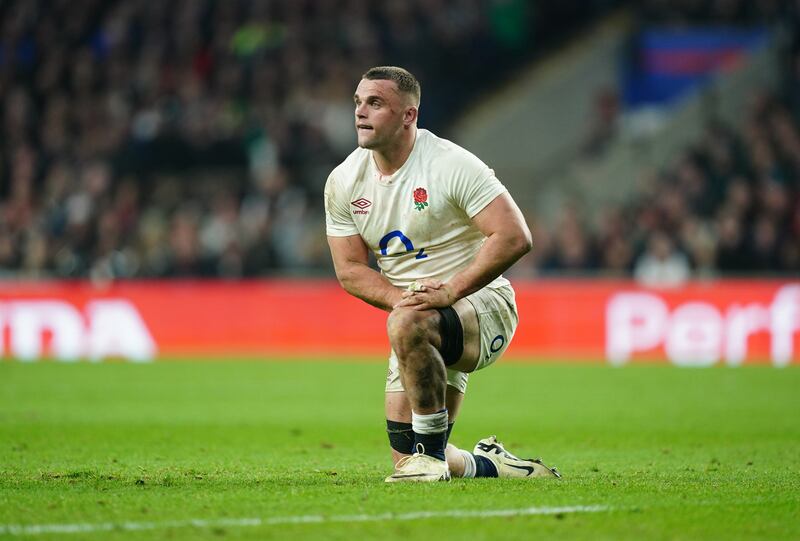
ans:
(409, 328)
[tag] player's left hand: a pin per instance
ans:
(427, 295)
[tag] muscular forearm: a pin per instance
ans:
(369, 285)
(496, 255)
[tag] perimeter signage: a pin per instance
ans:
(725, 322)
(698, 333)
(54, 328)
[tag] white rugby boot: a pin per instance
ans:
(419, 468)
(510, 466)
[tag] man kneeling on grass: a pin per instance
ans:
(443, 229)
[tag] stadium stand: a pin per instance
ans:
(144, 139)
(157, 139)
(728, 204)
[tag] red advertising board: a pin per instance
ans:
(698, 324)
(722, 322)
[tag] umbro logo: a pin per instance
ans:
(361, 205)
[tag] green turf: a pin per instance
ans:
(673, 453)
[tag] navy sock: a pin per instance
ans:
(430, 433)
(433, 444)
(401, 436)
(484, 467)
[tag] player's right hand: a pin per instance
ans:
(428, 294)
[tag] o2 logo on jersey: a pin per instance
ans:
(496, 345)
(397, 234)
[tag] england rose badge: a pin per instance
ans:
(420, 198)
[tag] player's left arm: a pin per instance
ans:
(507, 239)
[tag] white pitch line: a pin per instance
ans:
(38, 529)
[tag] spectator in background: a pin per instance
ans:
(615, 249)
(765, 246)
(697, 236)
(661, 264)
(571, 251)
(603, 122)
(732, 257)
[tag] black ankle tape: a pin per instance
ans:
(401, 436)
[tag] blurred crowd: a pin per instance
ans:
(729, 204)
(193, 138)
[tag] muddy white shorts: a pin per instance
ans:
(497, 321)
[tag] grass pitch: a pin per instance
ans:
(283, 450)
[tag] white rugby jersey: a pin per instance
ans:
(416, 222)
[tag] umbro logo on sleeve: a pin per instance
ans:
(361, 205)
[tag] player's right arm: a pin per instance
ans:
(351, 260)
(350, 253)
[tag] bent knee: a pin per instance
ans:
(407, 327)
(404, 318)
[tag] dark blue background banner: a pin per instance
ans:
(666, 64)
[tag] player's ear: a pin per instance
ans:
(410, 116)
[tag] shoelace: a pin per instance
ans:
(402, 462)
(420, 450)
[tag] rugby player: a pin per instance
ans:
(443, 229)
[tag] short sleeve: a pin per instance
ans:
(476, 186)
(338, 220)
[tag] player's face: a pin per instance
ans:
(379, 113)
